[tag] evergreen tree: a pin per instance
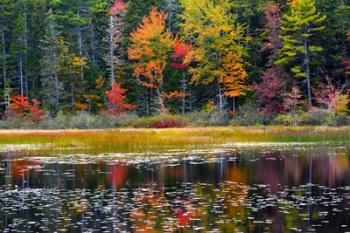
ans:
(299, 26)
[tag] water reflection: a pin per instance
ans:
(243, 191)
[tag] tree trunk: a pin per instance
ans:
(161, 101)
(25, 50)
(308, 73)
(4, 67)
(184, 89)
(21, 75)
(111, 50)
(80, 44)
(234, 104)
(220, 98)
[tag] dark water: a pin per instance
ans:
(304, 190)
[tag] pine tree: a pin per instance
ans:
(299, 26)
(49, 65)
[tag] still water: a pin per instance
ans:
(279, 190)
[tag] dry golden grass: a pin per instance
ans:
(154, 140)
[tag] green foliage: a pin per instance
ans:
(299, 25)
(56, 50)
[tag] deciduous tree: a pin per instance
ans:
(151, 44)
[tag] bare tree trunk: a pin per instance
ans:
(184, 89)
(25, 50)
(161, 101)
(80, 44)
(220, 98)
(308, 73)
(4, 67)
(111, 50)
(21, 75)
(4, 71)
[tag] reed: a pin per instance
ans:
(160, 140)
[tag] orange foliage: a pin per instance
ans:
(174, 95)
(150, 45)
(233, 79)
(24, 109)
(293, 2)
(150, 74)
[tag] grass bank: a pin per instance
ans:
(160, 140)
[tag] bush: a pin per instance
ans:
(287, 119)
(248, 114)
(162, 121)
(314, 117)
(219, 118)
(338, 119)
(198, 118)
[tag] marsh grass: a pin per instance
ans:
(161, 140)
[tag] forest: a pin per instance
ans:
(172, 63)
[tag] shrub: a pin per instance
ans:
(248, 114)
(219, 118)
(287, 119)
(161, 121)
(198, 118)
(314, 117)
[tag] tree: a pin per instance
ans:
(181, 50)
(150, 47)
(291, 102)
(334, 99)
(51, 45)
(116, 29)
(270, 90)
(216, 37)
(24, 109)
(116, 101)
(299, 25)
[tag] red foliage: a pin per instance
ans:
(116, 97)
(24, 109)
(180, 52)
(270, 91)
(182, 217)
(169, 122)
(118, 6)
(273, 17)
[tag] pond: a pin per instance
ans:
(240, 190)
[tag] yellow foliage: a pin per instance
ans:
(210, 106)
(340, 104)
(217, 49)
(234, 75)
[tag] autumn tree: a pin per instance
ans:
(335, 100)
(218, 52)
(270, 90)
(151, 44)
(181, 51)
(299, 26)
(116, 101)
(292, 100)
(23, 108)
